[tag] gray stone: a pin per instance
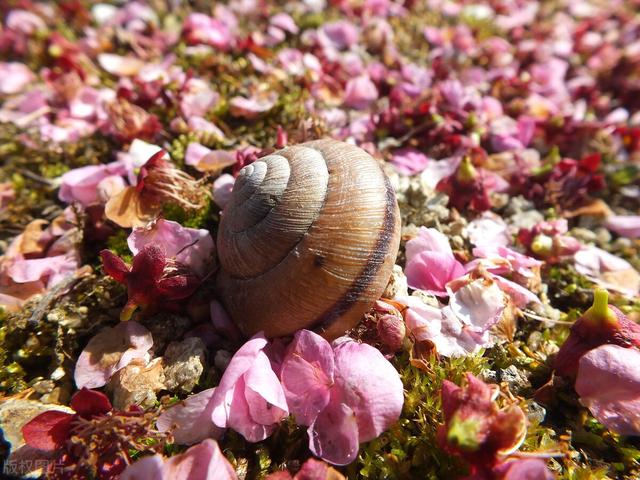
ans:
(514, 378)
(183, 364)
(137, 384)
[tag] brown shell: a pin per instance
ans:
(308, 240)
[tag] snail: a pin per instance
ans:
(307, 240)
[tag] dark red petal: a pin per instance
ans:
(114, 266)
(178, 286)
(88, 403)
(149, 263)
(591, 162)
(48, 431)
(450, 398)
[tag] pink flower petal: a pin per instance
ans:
(431, 271)
(15, 77)
(429, 240)
(624, 225)
(608, 383)
(478, 304)
(360, 92)
(204, 461)
(190, 420)
(239, 417)
(109, 351)
(307, 375)
(145, 468)
(409, 161)
(222, 188)
(334, 434)
(370, 386)
(264, 393)
(241, 400)
(119, 65)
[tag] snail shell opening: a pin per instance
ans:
(308, 240)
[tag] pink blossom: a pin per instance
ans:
(360, 92)
(197, 124)
(111, 350)
(346, 393)
(250, 108)
(49, 269)
(608, 383)
(197, 98)
(284, 22)
(409, 161)
(488, 230)
(503, 260)
(430, 262)
(462, 327)
(120, 66)
(25, 109)
(339, 35)
(624, 225)
(249, 398)
(508, 134)
(190, 247)
(81, 184)
(14, 77)
(201, 28)
(222, 187)
(205, 160)
(607, 270)
(204, 461)
(25, 22)
(190, 420)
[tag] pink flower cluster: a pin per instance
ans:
(346, 393)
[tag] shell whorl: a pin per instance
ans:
(308, 240)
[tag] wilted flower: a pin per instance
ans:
(346, 393)
(476, 429)
(190, 247)
(94, 442)
(547, 240)
(470, 187)
(152, 280)
(600, 324)
(158, 182)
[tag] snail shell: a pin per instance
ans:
(307, 240)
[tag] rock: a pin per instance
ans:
(183, 364)
(526, 219)
(165, 327)
(137, 384)
(536, 413)
(397, 286)
(514, 378)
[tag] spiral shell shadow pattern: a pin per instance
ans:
(308, 240)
